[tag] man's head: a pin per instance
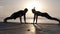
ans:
(25, 9)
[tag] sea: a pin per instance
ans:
(30, 20)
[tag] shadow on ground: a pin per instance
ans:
(28, 28)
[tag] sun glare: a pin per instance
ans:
(33, 4)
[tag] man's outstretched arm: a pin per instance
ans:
(25, 18)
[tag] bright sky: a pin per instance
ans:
(7, 7)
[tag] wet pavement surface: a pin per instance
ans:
(17, 28)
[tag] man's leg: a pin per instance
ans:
(5, 20)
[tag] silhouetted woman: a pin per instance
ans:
(38, 13)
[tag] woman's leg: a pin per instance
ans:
(51, 18)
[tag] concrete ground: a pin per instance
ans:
(17, 28)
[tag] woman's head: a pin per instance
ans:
(33, 10)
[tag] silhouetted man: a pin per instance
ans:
(18, 14)
(38, 13)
